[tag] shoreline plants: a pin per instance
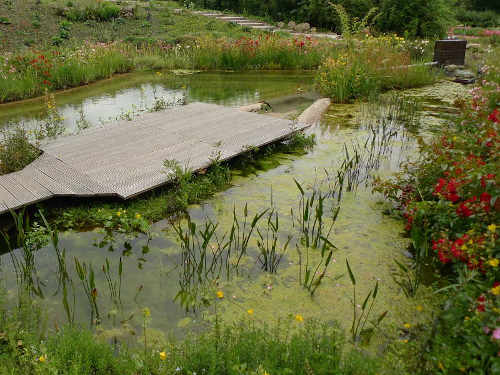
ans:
(450, 200)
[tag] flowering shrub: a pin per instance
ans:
(450, 199)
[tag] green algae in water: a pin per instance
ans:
(362, 234)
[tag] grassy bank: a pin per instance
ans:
(249, 347)
(31, 73)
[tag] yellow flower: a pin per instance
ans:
(405, 340)
(419, 308)
(250, 311)
(440, 365)
(42, 358)
(299, 318)
(493, 262)
(467, 318)
(496, 290)
(464, 247)
(407, 325)
(118, 213)
(492, 228)
(146, 312)
(220, 294)
(163, 356)
(137, 216)
(266, 373)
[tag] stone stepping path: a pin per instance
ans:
(258, 25)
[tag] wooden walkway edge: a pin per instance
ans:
(125, 159)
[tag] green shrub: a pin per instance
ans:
(247, 348)
(316, 12)
(415, 18)
(101, 12)
(16, 151)
(76, 351)
(487, 18)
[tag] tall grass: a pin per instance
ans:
(373, 66)
(29, 74)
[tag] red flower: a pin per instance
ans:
(442, 257)
(494, 116)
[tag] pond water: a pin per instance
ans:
(105, 100)
(152, 265)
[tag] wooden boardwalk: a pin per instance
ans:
(126, 158)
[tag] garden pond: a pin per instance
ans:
(147, 270)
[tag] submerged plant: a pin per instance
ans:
(359, 319)
(310, 217)
(24, 265)
(114, 286)
(87, 277)
(206, 255)
(270, 253)
(311, 275)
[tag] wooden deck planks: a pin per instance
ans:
(126, 158)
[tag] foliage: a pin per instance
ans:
(353, 26)
(486, 18)
(375, 65)
(31, 73)
(16, 151)
(293, 347)
(450, 201)
(415, 18)
(101, 11)
(315, 12)
(360, 318)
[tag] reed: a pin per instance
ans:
(359, 320)
(311, 275)
(270, 252)
(310, 217)
(87, 277)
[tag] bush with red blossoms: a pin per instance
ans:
(453, 205)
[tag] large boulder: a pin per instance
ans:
(303, 27)
(127, 12)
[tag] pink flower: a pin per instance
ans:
(496, 334)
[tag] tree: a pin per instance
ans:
(415, 18)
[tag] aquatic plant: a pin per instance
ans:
(270, 252)
(310, 217)
(114, 286)
(24, 266)
(87, 277)
(16, 150)
(311, 275)
(64, 280)
(206, 255)
(359, 319)
(407, 278)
